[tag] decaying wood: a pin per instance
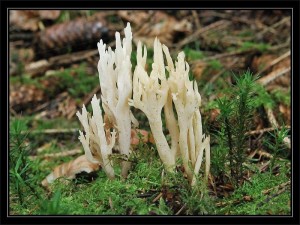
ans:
(40, 67)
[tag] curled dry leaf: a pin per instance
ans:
(70, 169)
(82, 164)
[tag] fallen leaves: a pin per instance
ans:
(156, 24)
(29, 19)
(82, 164)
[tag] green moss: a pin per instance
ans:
(251, 45)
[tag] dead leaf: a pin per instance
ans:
(29, 19)
(198, 69)
(135, 17)
(138, 135)
(286, 111)
(70, 169)
(161, 25)
(21, 96)
(49, 14)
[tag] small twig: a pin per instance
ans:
(181, 209)
(111, 203)
(275, 61)
(222, 71)
(271, 117)
(283, 189)
(196, 17)
(226, 54)
(269, 28)
(157, 197)
(54, 131)
(273, 121)
(200, 32)
(280, 186)
(264, 166)
(59, 154)
(90, 96)
(273, 75)
(261, 131)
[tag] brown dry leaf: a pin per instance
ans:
(214, 113)
(82, 164)
(29, 19)
(49, 14)
(198, 69)
(68, 107)
(70, 169)
(286, 111)
(22, 96)
(161, 25)
(135, 17)
(260, 62)
(145, 136)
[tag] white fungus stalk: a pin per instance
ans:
(150, 95)
(116, 87)
(95, 142)
(187, 101)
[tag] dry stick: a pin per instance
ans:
(54, 131)
(261, 131)
(196, 17)
(271, 117)
(275, 61)
(280, 186)
(199, 32)
(43, 65)
(85, 101)
(266, 80)
(57, 155)
(181, 209)
(272, 196)
(226, 54)
(90, 96)
(273, 75)
(273, 121)
(222, 71)
(157, 197)
(284, 20)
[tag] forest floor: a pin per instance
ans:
(53, 71)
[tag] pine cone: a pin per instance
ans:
(74, 35)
